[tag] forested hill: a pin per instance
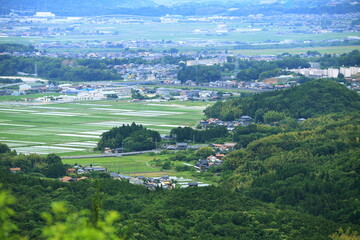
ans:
(193, 213)
(314, 98)
(315, 168)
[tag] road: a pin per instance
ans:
(111, 154)
(10, 85)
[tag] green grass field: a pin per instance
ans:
(125, 164)
(131, 165)
(75, 128)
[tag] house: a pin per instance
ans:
(151, 186)
(229, 145)
(170, 147)
(202, 164)
(88, 169)
(15, 170)
(82, 178)
(67, 179)
(136, 181)
(115, 175)
(182, 146)
(211, 158)
(219, 156)
(124, 177)
(245, 120)
(99, 169)
(193, 184)
(301, 120)
(107, 150)
(71, 170)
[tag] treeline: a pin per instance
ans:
(313, 98)
(259, 70)
(350, 59)
(252, 70)
(13, 47)
(57, 68)
(36, 165)
(314, 168)
(182, 134)
(129, 137)
(10, 80)
(200, 73)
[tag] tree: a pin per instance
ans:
(132, 137)
(4, 148)
(62, 224)
(273, 116)
(7, 227)
(341, 76)
(55, 166)
(204, 152)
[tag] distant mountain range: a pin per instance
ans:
(74, 6)
(180, 7)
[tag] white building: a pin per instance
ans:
(24, 87)
(207, 62)
(333, 72)
(345, 71)
(44, 14)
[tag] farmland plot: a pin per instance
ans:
(76, 127)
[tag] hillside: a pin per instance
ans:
(199, 213)
(315, 168)
(314, 98)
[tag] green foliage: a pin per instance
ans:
(345, 235)
(200, 73)
(252, 70)
(189, 134)
(347, 59)
(204, 152)
(65, 225)
(49, 165)
(314, 169)
(4, 148)
(131, 137)
(7, 227)
(273, 116)
(57, 68)
(211, 212)
(10, 80)
(13, 47)
(313, 98)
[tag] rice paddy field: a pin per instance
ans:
(75, 128)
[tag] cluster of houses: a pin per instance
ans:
(74, 172)
(230, 125)
(142, 72)
(165, 182)
(151, 183)
(211, 161)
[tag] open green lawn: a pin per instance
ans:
(75, 128)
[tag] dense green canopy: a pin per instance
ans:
(310, 99)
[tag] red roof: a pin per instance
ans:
(82, 178)
(66, 179)
(15, 169)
